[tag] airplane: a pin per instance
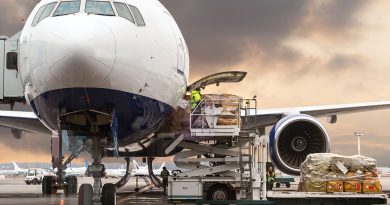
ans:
(20, 171)
(77, 171)
(16, 171)
(115, 173)
(383, 172)
(143, 170)
(107, 76)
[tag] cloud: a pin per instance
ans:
(334, 15)
(12, 13)
(220, 32)
(223, 33)
(343, 61)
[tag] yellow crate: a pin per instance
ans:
(334, 186)
(353, 186)
(370, 186)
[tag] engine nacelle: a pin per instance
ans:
(293, 138)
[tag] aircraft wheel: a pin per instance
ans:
(72, 185)
(220, 192)
(109, 194)
(288, 184)
(85, 194)
(47, 185)
(277, 185)
(35, 181)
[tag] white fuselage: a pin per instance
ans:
(99, 55)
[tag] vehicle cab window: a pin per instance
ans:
(123, 11)
(99, 8)
(67, 7)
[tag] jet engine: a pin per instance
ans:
(293, 138)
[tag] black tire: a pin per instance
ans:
(136, 189)
(35, 181)
(28, 183)
(277, 185)
(109, 194)
(72, 185)
(85, 194)
(288, 184)
(220, 192)
(47, 185)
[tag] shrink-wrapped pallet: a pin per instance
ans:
(221, 110)
(339, 173)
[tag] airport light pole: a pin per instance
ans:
(358, 135)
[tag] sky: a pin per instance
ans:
(296, 53)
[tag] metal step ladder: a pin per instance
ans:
(245, 166)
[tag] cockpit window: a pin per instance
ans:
(123, 11)
(99, 8)
(38, 15)
(67, 7)
(49, 8)
(137, 15)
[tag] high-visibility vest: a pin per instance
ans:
(164, 173)
(271, 176)
(195, 98)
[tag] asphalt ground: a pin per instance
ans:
(13, 191)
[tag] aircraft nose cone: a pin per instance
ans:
(81, 50)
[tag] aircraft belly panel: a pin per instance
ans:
(137, 115)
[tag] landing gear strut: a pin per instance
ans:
(95, 195)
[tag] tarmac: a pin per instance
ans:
(13, 191)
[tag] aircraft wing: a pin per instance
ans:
(267, 117)
(25, 121)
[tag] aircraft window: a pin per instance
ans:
(67, 7)
(99, 8)
(137, 15)
(49, 8)
(38, 15)
(123, 11)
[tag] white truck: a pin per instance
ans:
(35, 176)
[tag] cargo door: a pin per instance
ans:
(224, 77)
(12, 82)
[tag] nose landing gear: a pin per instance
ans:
(96, 195)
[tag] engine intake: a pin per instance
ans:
(293, 138)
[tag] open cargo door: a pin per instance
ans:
(224, 77)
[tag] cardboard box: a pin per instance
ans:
(372, 186)
(353, 186)
(334, 186)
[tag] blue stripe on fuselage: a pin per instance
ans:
(137, 115)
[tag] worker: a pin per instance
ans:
(195, 98)
(164, 175)
(270, 177)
